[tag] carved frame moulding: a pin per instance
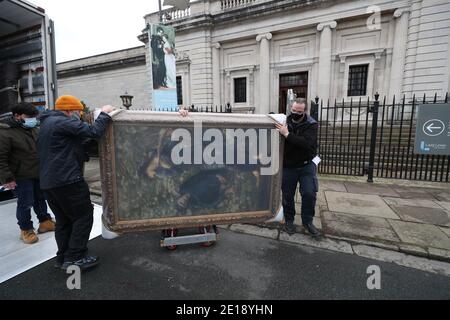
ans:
(143, 189)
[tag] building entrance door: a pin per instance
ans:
(298, 82)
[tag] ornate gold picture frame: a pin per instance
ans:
(160, 170)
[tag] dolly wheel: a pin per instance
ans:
(170, 233)
(205, 230)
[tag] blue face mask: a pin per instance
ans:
(30, 123)
(76, 116)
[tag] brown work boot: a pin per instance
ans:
(28, 236)
(46, 226)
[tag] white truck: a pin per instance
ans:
(27, 57)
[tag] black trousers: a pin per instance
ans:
(74, 214)
(309, 186)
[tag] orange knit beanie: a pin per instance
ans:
(68, 103)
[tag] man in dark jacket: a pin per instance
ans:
(62, 155)
(19, 169)
(300, 149)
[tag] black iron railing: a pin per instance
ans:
(376, 138)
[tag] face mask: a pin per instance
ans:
(297, 116)
(30, 123)
(75, 116)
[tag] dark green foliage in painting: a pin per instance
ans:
(150, 186)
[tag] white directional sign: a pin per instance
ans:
(433, 129)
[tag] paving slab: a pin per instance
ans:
(326, 185)
(367, 188)
(424, 203)
(446, 231)
(92, 177)
(438, 217)
(358, 226)
(359, 204)
(321, 200)
(95, 188)
(445, 205)
(424, 235)
(441, 194)
(413, 193)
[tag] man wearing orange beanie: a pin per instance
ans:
(62, 156)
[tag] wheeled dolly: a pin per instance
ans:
(207, 236)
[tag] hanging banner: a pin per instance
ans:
(162, 47)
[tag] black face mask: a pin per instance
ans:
(297, 116)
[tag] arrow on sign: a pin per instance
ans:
(431, 128)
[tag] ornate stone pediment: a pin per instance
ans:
(182, 56)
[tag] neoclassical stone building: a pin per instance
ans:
(250, 52)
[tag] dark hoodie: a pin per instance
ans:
(301, 144)
(60, 147)
(18, 154)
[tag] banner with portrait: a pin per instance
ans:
(162, 52)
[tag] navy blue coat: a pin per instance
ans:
(301, 143)
(60, 147)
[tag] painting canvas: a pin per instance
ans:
(145, 188)
(162, 46)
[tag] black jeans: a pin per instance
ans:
(74, 215)
(309, 186)
(29, 195)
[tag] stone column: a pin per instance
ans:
(228, 94)
(186, 89)
(216, 74)
(264, 72)
(399, 52)
(324, 75)
(251, 87)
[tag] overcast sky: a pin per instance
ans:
(89, 27)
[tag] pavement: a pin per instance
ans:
(367, 227)
(238, 267)
(405, 216)
(399, 218)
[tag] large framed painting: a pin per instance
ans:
(160, 170)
